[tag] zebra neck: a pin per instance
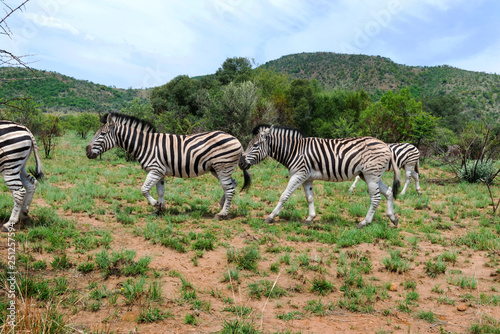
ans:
(283, 149)
(132, 140)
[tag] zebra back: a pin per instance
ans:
(170, 154)
(404, 154)
(335, 159)
(16, 143)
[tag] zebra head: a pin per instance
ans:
(104, 139)
(258, 148)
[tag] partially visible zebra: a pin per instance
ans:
(406, 156)
(336, 160)
(162, 154)
(16, 144)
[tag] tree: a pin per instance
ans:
(397, 117)
(51, 129)
(8, 58)
(449, 108)
(86, 122)
(231, 111)
(237, 69)
(24, 111)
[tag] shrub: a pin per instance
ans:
(476, 170)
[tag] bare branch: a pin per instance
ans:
(6, 57)
(3, 23)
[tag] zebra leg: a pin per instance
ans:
(229, 186)
(160, 190)
(308, 189)
(29, 183)
(293, 184)
(416, 178)
(18, 195)
(387, 192)
(152, 179)
(408, 170)
(356, 180)
(373, 189)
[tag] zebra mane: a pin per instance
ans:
(130, 120)
(290, 131)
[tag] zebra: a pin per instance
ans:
(336, 160)
(16, 144)
(406, 156)
(162, 154)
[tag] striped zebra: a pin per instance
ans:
(336, 160)
(162, 154)
(406, 156)
(16, 144)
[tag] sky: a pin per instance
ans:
(142, 44)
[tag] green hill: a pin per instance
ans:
(478, 91)
(374, 74)
(59, 93)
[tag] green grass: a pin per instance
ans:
(87, 211)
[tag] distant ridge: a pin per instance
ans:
(478, 91)
(60, 93)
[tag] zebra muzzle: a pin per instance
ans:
(243, 164)
(89, 152)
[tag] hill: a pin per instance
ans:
(478, 91)
(60, 93)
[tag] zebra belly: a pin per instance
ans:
(322, 176)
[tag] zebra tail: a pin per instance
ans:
(248, 179)
(396, 182)
(416, 168)
(37, 172)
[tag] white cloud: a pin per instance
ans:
(51, 22)
(130, 43)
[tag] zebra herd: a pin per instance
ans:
(187, 156)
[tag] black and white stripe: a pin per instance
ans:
(162, 154)
(336, 160)
(405, 156)
(16, 144)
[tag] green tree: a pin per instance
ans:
(301, 97)
(231, 109)
(449, 108)
(23, 111)
(397, 117)
(86, 122)
(50, 131)
(175, 104)
(237, 69)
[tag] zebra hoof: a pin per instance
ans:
(8, 228)
(220, 217)
(395, 222)
(159, 209)
(362, 224)
(268, 220)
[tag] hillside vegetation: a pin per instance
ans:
(57, 92)
(374, 74)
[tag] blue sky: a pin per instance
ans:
(141, 44)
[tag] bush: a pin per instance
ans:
(476, 170)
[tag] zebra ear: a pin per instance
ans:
(110, 120)
(266, 132)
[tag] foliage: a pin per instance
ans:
(23, 111)
(51, 129)
(476, 171)
(86, 122)
(397, 117)
(56, 92)
(231, 110)
(237, 69)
